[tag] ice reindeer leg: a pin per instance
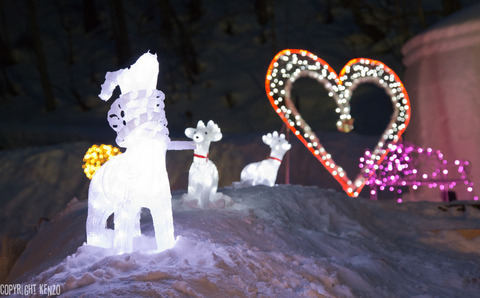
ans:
(97, 234)
(137, 178)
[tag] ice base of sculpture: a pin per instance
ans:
(217, 201)
(145, 243)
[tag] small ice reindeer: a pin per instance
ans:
(138, 178)
(203, 174)
(265, 172)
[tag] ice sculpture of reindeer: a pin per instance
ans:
(203, 174)
(265, 172)
(137, 178)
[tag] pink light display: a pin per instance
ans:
(408, 165)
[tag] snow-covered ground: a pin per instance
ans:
(283, 241)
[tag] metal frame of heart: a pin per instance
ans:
(290, 64)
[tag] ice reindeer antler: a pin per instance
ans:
(265, 172)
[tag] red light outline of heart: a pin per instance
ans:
(299, 63)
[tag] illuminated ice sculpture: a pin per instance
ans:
(265, 172)
(203, 174)
(137, 178)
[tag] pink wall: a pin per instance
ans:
(442, 78)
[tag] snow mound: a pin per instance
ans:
(282, 241)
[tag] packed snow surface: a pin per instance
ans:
(281, 241)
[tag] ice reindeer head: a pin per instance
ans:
(138, 178)
(265, 172)
(139, 102)
(140, 76)
(203, 174)
(203, 135)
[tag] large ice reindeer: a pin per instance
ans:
(137, 178)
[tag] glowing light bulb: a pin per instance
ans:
(96, 156)
(398, 169)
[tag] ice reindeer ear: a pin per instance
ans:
(111, 82)
(189, 132)
(142, 75)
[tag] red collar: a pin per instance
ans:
(200, 156)
(271, 157)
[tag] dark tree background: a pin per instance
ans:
(55, 53)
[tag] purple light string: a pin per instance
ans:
(401, 169)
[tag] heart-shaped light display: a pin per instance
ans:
(291, 64)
